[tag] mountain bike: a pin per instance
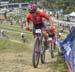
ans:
(51, 44)
(38, 48)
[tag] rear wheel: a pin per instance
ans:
(43, 56)
(36, 53)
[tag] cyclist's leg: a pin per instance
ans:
(44, 31)
(34, 34)
(45, 40)
(45, 35)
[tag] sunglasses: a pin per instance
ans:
(32, 12)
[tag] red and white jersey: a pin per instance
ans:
(37, 19)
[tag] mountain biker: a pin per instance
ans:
(36, 17)
(52, 31)
(52, 34)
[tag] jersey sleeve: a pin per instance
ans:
(44, 15)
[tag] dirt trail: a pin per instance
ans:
(22, 62)
(17, 57)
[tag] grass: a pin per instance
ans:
(60, 65)
(16, 56)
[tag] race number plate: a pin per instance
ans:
(49, 39)
(38, 31)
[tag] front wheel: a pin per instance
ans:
(51, 49)
(36, 53)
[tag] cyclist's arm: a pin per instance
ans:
(51, 21)
(27, 20)
(48, 18)
(27, 23)
(56, 34)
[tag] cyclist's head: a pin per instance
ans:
(32, 8)
(52, 29)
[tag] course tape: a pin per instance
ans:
(63, 22)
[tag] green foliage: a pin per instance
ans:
(69, 9)
(66, 5)
(13, 1)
